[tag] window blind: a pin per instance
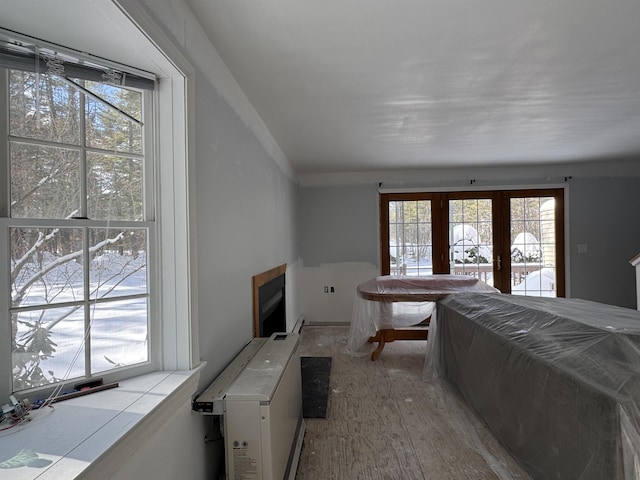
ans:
(20, 52)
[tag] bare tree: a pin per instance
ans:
(45, 183)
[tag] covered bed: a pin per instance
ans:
(556, 380)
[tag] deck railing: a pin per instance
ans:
(481, 271)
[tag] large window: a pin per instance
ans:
(78, 217)
(511, 239)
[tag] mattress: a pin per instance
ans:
(556, 380)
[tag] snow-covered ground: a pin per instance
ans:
(538, 284)
(118, 327)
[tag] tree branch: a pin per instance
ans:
(42, 239)
(60, 261)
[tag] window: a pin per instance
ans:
(511, 239)
(410, 237)
(78, 216)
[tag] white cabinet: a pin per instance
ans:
(259, 395)
(635, 261)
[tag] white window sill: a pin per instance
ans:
(64, 441)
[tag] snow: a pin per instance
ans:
(528, 247)
(540, 283)
(119, 327)
(464, 238)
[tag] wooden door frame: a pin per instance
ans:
(384, 199)
(558, 195)
(501, 229)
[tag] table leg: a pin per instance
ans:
(391, 334)
(381, 337)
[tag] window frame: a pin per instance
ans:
(500, 213)
(83, 224)
(173, 140)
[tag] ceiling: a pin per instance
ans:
(369, 85)
(378, 84)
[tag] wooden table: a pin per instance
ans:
(389, 289)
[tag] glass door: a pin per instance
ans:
(410, 238)
(536, 244)
(510, 239)
(471, 238)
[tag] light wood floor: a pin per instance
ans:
(386, 422)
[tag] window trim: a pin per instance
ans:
(500, 196)
(176, 200)
(174, 126)
(147, 223)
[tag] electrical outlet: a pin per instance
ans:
(333, 290)
(326, 289)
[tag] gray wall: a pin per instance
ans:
(602, 216)
(338, 225)
(246, 217)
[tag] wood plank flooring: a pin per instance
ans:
(386, 422)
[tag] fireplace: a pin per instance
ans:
(269, 306)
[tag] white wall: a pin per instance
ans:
(246, 200)
(637, 267)
(338, 237)
(246, 209)
(165, 455)
(333, 307)
(245, 224)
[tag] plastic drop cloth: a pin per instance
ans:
(556, 380)
(392, 301)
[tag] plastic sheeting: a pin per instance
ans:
(557, 380)
(391, 301)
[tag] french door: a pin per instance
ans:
(511, 239)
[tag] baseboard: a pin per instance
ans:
(297, 450)
(298, 326)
